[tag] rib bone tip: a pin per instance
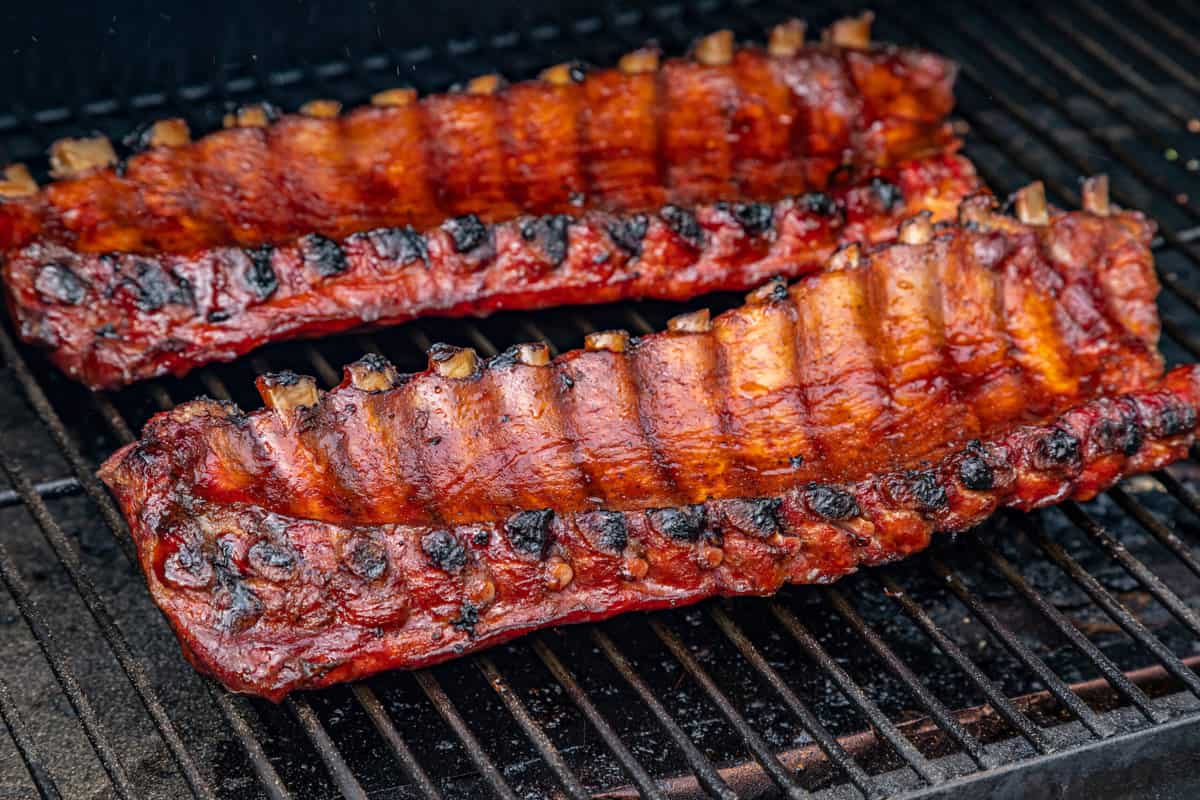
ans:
(846, 258)
(453, 362)
(321, 109)
(561, 74)
(639, 61)
(851, 32)
(787, 38)
(1095, 195)
(72, 157)
(284, 392)
(533, 354)
(695, 322)
(1031, 204)
(372, 373)
(917, 230)
(484, 84)
(716, 49)
(17, 182)
(259, 115)
(776, 288)
(392, 98)
(612, 341)
(172, 132)
(559, 574)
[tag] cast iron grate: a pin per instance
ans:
(1048, 646)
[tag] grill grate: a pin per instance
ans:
(957, 668)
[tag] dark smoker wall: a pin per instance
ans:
(55, 52)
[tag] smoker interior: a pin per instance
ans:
(1041, 652)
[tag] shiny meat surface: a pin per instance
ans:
(403, 520)
(110, 319)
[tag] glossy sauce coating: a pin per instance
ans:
(401, 520)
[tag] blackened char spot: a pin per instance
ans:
(324, 255)
(468, 618)
(1175, 420)
(107, 331)
(628, 233)
(976, 474)
(818, 203)
(554, 236)
(59, 282)
(273, 561)
(239, 606)
(401, 245)
(444, 550)
(1058, 447)
(684, 223)
(754, 217)
(467, 232)
(261, 275)
(374, 362)
(529, 531)
(684, 523)
(611, 532)
(888, 193)
(830, 502)
(217, 315)
(153, 288)
(757, 516)
(1122, 435)
(366, 558)
(927, 490)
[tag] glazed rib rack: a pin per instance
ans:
(1065, 635)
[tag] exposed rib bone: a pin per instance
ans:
(72, 157)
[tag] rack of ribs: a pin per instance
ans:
(907, 388)
(657, 178)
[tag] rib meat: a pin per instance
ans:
(647, 180)
(398, 521)
(110, 319)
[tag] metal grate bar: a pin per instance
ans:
(705, 772)
(931, 773)
(83, 472)
(1051, 96)
(1080, 79)
(1184, 494)
(1054, 684)
(1173, 30)
(1176, 332)
(437, 695)
(533, 730)
(65, 677)
(387, 729)
(808, 720)
(1131, 564)
(1151, 524)
(129, 663)
(995, 697)
(266, 773)
(779, 773)
(59, 487)
(641, 779)
(347, 784)
(1111, 672)
(937, 709)
(1140, 85)
(1027, 121)
(1144, 48)
(43, 781)
(1113, 607)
